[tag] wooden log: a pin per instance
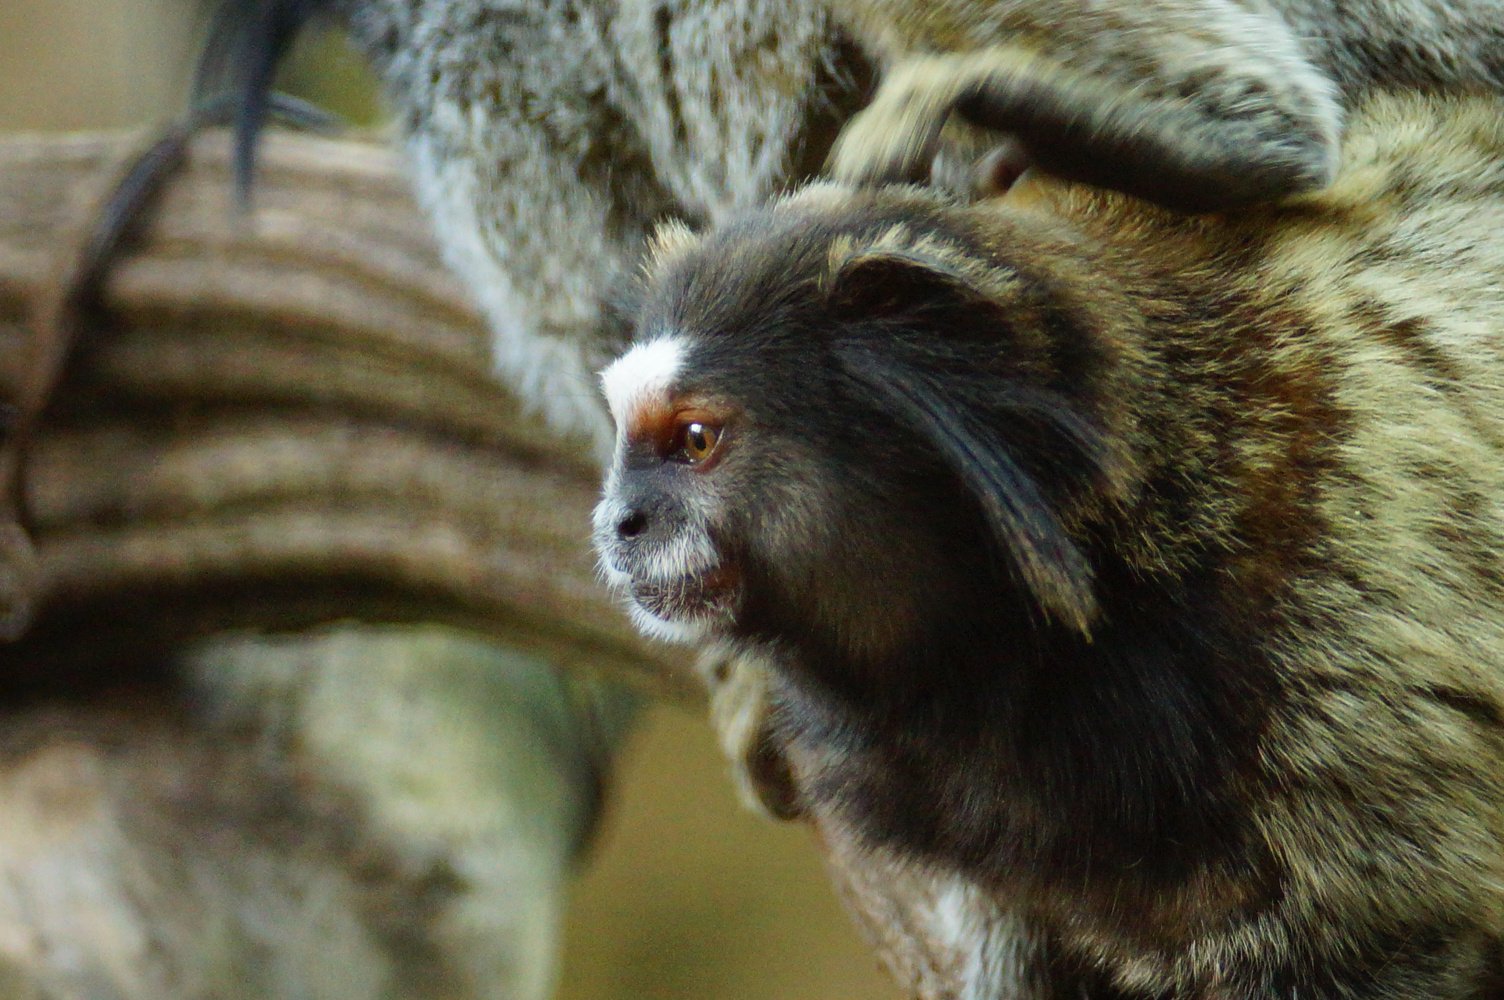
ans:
(279, 419)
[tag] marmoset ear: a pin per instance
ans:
(877, 284)
(670, 240)
(1021, 517)
(923, 384)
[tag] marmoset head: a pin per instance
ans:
(852, 418)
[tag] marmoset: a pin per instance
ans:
(1130, 582)
(547, 137)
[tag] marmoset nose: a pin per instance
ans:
(632, 525)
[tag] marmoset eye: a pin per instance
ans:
(695, 441)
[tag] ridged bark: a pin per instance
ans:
(275, 419)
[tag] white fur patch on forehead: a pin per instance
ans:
(642, 377)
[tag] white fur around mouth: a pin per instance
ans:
(686, 608)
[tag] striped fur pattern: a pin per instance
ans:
(1195, 104)
(1133, 582)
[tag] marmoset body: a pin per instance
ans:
(1131, 582)
(1193, 104)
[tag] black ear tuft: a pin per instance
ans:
(248, 40)
(880, 284)
(1045, 557)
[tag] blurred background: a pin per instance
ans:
(684, 894)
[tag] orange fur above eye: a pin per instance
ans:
(651, 420)
(660, 421)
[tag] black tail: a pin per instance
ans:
(247, 41)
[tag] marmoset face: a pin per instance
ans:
(741, 500)
(655, 529)
(841, 427)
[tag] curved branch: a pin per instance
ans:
(280, 419)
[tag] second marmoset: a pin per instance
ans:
(1193, 104)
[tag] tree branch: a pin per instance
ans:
(281, 419)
